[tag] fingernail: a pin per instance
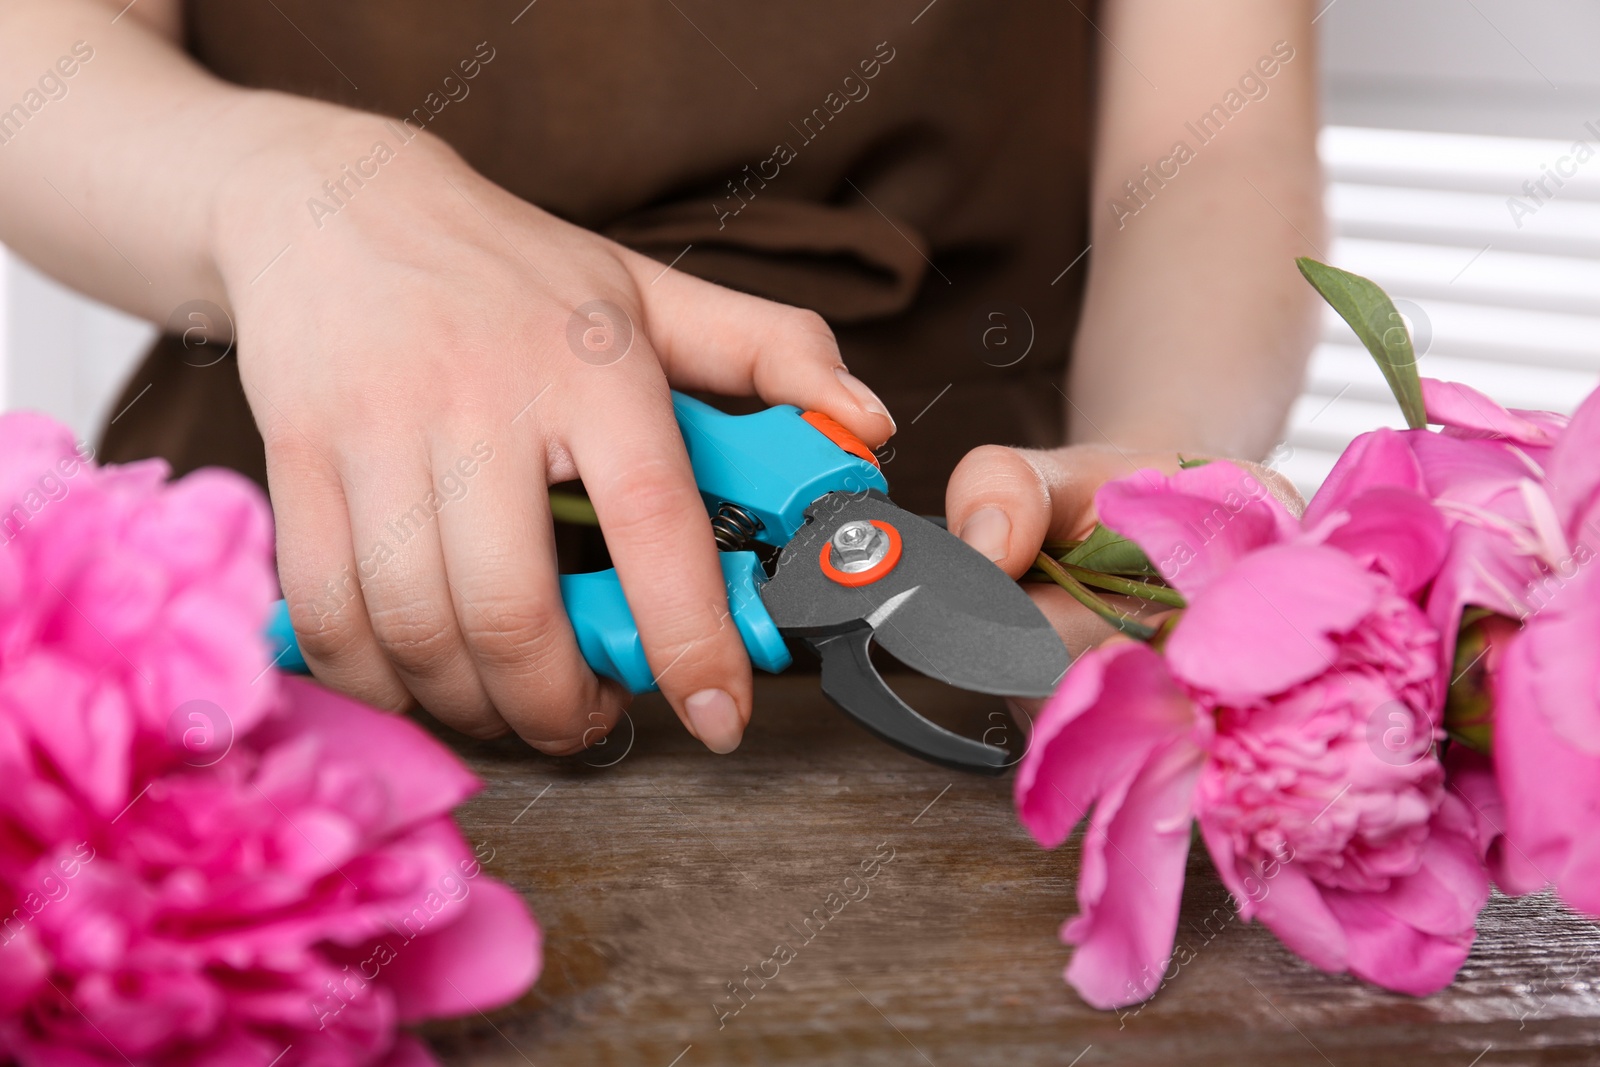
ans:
(865, 397)
(988, 531)
(715, 719)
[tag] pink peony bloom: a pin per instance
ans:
(1523, 492)
(1486, 474)
(1291, 715)
(202, 862)
(120, 599)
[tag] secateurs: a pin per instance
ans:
(851, 570)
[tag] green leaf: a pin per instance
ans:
(1109, 553)
(1191, 464)
(1372, 315)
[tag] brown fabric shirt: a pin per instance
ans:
(915, 172)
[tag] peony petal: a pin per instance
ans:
(1394, 531)
(203, 524)
(403, 887)
(1385, 951)
(1451, 886)
(1115, 706)
(1265, 626)
(146, 1014)
(1124, 933)
(24, 966)
(424, 778)
(1379, 458)
(1224, 861)
(1480, 569)
(1295, 908)
(226, 909)
(1462, 407)
(1116, 737)
(1473, 782)
(1574, 474)
(486, 958)
(40, 456)
(49, 1053)
(1484, 474)
(84, 728)
(1559, 643)
(210, 647)
(1195, 524)
(1550, 789)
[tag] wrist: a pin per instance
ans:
(308, 161)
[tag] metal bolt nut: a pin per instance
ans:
(858, 546)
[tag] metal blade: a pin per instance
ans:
(944, 610)
(852, 682)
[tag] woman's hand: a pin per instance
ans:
(424, 355)
(1006, 502)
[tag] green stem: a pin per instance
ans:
(1164, 631)
(1127, 586)
(1081, 593)
(570, 507)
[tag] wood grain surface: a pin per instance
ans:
(664, 875)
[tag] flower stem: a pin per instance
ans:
(1111, 583)
(570, 507)
(1083, 595)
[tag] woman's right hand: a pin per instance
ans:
(424, 355)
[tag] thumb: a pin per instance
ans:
(1006, 501)
(1000, 504)
(711, 338)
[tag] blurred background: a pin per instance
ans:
(1437, 113)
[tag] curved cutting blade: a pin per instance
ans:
(851, 681)
(944, 610)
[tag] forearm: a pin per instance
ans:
(1196, 324)
(113, 183)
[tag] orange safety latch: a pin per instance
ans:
(839, 436)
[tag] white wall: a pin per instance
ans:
(1521, 68)
(60, 352)
(5, 329)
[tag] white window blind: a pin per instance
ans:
(1513, 310)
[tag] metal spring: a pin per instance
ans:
(734, 527)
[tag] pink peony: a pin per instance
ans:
(1291, 714)
(1522, 491)
(1486, 474)
(202, 862)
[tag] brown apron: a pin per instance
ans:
(915, 172)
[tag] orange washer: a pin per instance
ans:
(839, 435)
(871, 574)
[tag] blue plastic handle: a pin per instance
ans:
(607, 635)
(773, 464)
(281, 641)
(609, 638)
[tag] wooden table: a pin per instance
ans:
(661, 878)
